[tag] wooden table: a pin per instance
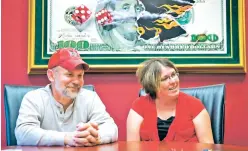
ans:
(139, 146)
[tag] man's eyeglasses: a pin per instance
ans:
(173, 76)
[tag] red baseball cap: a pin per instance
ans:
(67, 58)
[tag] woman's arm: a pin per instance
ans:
(203, 127)
(134, 121)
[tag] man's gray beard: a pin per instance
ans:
(71, 95)
(65, 92)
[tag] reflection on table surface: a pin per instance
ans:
(138, 146)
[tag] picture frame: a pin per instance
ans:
(219, 47)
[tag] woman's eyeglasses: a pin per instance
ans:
(173, 76)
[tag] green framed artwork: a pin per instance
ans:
(199, 36)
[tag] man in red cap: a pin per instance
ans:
(64, 113)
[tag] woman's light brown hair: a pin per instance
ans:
(149, 74)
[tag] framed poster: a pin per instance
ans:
(199, 36)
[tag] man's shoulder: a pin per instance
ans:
(85, 93)
(41, 90)
(37, 96)
(85, 97)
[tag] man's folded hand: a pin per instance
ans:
(87, 134)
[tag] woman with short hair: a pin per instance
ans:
(165, 113)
